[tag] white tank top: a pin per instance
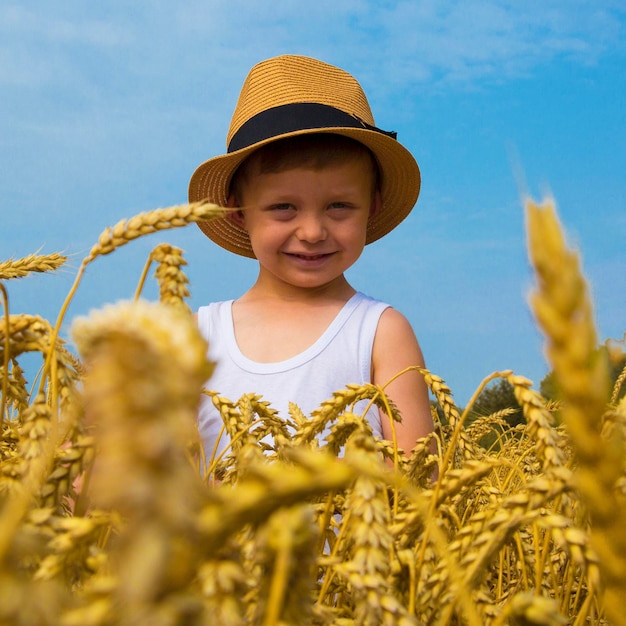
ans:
(341, 355)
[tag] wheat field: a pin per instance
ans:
(110, 515)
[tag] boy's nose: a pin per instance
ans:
(311, 229)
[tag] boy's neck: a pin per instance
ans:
(266, 290)
(291, 319)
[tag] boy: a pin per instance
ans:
(314, 181)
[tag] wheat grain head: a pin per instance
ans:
(19, 268)
(563, 309)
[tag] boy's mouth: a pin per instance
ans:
(309, 257)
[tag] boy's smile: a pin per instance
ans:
(308, 226)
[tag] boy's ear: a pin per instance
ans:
(377, 204)
(235, 216)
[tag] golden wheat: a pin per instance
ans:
(224, 587)
(127, 230)
(563, 308)
(19, 268)
(618, 385)
(172, 280)
(140, 468)
(370, 550)
(110, 515)
(284, 551)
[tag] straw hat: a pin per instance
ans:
(292, 95)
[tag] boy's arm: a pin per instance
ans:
(395, 348)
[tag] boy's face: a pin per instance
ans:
(308, 226)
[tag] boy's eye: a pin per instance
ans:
(281, 211)
(340, 206)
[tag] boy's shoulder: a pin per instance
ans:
(394, 333)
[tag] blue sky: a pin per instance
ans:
(107, 108)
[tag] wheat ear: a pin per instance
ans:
(147, 364)
(618, 385)
(370, 542)
(18, 334)
(129, 229)
(540, 423)
(224, 585)
(173, 283)
(19, 268)
(285, 552)
(563, 309)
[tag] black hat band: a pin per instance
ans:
(290, 118)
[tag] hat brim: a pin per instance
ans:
(400, 186)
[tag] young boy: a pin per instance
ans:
(314, 181)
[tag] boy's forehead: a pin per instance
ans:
(291, 155)
(349, 178)
(360, 163)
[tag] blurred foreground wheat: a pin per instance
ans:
(109, 515)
